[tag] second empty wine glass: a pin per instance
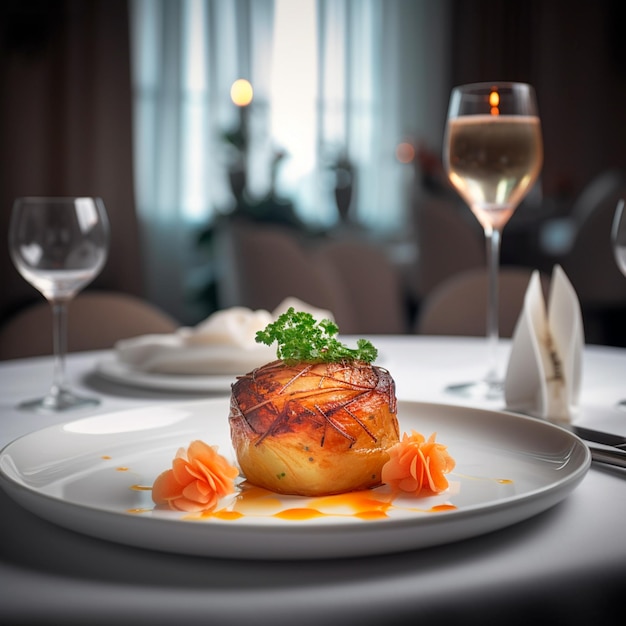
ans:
(59, 245)
(493, 153)
(618, 241)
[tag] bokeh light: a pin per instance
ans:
(405, 152)
(241, 92)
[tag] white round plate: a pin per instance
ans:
(84, 475)
(114, 370)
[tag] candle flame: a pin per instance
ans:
(494, 102)
(241, 92)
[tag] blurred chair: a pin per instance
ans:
(262, 265)
(365, 275)
(557, 236)
(96, 320)
(447, 243)
(458, 306)
(589, 263)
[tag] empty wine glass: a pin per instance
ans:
(59, 245)
(618, 239)
(493, 152)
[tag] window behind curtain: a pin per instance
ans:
(330, 76)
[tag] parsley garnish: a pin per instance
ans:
(301, 338)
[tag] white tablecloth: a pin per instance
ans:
(565, 566)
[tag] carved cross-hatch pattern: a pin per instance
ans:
(359, 388)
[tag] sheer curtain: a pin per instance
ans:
(186, 54)
(330, 78)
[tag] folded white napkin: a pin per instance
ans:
(545, 364)
(224, 343)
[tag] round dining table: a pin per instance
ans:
(564, 565)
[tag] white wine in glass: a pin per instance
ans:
(59, 245)
(493, 153)
(618, 241)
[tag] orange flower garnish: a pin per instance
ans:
(417, 465)
(198, 479)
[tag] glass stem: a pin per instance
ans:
(493, 237)
(59, 344)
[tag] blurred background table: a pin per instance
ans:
(567, 565)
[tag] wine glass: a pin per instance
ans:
(618, 239)
(59, 245)
(493, 153)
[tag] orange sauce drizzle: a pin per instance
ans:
(227, 515)
(370, 515)
(299, 514)
(254, 501)
(442, 507)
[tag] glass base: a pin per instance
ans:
(481, 390)
(57, 401)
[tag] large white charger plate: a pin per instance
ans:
(116, 371)
(509, 468)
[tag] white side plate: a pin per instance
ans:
(84, 475)
(123, 374)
